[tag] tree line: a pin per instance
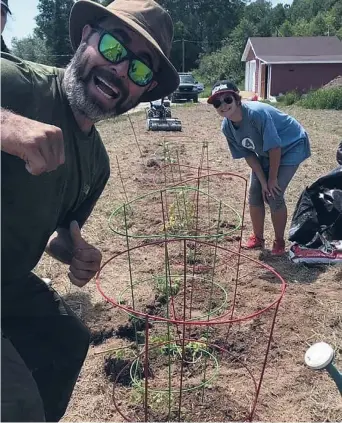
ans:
(209, 37)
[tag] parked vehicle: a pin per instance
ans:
(187, 89)
(200, 87)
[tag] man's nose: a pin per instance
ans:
(121, 69)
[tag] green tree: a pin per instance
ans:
(203, 23)
(286, 30)
(278, 16)
(258, 14)
(259, 18)
(32, 48)
(307, 8)
(226, 62)
(318, 25)
(334, 16)
(302, 28)
(53, 27)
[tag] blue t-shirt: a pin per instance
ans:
(264, 127)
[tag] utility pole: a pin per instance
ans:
(183, 55)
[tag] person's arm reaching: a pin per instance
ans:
(41, 146)
(272, 145)
(274, 156)
(254, 163)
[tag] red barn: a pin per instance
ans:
(276, 65)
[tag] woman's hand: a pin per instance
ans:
(273, 187)
(265, 192)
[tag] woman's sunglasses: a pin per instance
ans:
(115, 52)
(228, 100)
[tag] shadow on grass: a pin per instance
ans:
(300, 273)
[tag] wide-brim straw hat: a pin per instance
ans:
(146, 18)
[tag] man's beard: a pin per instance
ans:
(75, 83)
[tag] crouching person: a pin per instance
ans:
(54, 168)
(273, 145)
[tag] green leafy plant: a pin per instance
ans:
(158, 400)
(167, 287)
(327, 98)
(289, 98)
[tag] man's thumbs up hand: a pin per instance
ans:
(86, 259)
(76, 236)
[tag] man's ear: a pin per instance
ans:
(152, 85)
(86, 31)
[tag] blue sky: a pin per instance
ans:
(22, 22)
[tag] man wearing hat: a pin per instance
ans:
(54, 168)
(4, 11)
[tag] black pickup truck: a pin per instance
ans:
(187, 89)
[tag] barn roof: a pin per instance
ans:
(295, 49)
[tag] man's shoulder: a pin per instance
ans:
(38, 71)
(44, 70)
(102, 156)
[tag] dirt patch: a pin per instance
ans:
(310, 311)
(98, 337)
(336, 82)
(118, 370)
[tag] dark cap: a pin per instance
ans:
(221, 87)
(4, 3)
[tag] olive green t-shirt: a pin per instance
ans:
(34, 206)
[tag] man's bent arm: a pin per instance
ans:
(40, 145)
(60, 246)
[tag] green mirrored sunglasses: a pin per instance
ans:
(115, 52)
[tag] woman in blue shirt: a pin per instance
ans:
(273, 145)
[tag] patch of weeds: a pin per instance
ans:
(289, 98)
(193, 258)
(167, 157)
(193, 350)
(166, 287)
(181, 214)
(196, 350)
(330, 98)
(158, 401)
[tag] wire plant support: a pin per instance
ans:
(203, 333)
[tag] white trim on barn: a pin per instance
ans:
(268, 91)
(259, 78)
(246, 51)
(250, 75)
(246, 75)
(306, 62)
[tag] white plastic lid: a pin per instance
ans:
(319, 355)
